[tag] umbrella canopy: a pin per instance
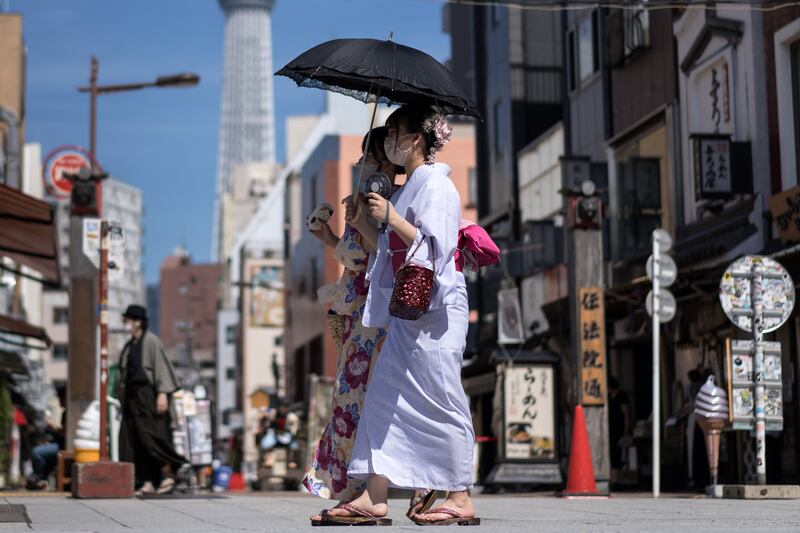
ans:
(384, 71)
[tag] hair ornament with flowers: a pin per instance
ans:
(441, 130)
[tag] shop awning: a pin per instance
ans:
(12, 326)
(713, 237)
(13, 363)
(28, 233)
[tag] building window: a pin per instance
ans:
(472, 186)
(230, 334)
(639, 200)
(795, 55)
(583, 52)
(587, 47)
(279, 340)
(498, 144)
(572, 82)
(60, 352)
(60, 315)
(230, 373)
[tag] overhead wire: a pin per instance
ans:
(649, 5)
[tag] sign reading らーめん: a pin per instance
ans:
(529, 414)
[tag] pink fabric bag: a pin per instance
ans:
(475, 248)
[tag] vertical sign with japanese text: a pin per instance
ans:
(529, 412)
(712, 166)
(592, 357)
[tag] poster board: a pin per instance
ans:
(266, 302)
(741, 385)
(529, 429)
(192, 432)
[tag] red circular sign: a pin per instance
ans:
(65, 159)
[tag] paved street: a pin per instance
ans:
(281, 512)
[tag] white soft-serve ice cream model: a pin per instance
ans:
(87, 435)
(711, 408)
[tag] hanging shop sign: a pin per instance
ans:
(592, 347)
(785, 210)
(712, 161)
(722, 167)
(509, 323)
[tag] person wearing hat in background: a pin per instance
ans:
(146, 382)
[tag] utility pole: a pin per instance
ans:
(82, 369)
(584, 245)
(82, 373)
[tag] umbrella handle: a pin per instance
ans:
(366, 144)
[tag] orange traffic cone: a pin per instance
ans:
(580, 479)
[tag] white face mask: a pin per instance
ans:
(393, 151)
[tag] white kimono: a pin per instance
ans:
(415, 428)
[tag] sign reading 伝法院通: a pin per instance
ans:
(592, 357)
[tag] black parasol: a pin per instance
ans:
(371, 70)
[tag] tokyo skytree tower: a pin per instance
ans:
(247, 119)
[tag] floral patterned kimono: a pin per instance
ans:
(327, 476)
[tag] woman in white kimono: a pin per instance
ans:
(415, 429)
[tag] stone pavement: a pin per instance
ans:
(284, 512)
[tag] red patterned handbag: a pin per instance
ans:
(413, 286)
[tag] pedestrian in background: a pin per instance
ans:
(147, 380)
(45, 454)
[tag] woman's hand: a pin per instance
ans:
(379, 207)
(325, 234)
(356, 212)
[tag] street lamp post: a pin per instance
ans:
(84, 294)
(184, 79)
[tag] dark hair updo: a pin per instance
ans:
(426, 121)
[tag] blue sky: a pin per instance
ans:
(164, 141)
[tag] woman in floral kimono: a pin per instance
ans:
(360, 345)
(415, 429)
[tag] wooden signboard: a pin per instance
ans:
(529, 412)
(785, 209)
(592, 357)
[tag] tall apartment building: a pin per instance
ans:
(188, 301)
